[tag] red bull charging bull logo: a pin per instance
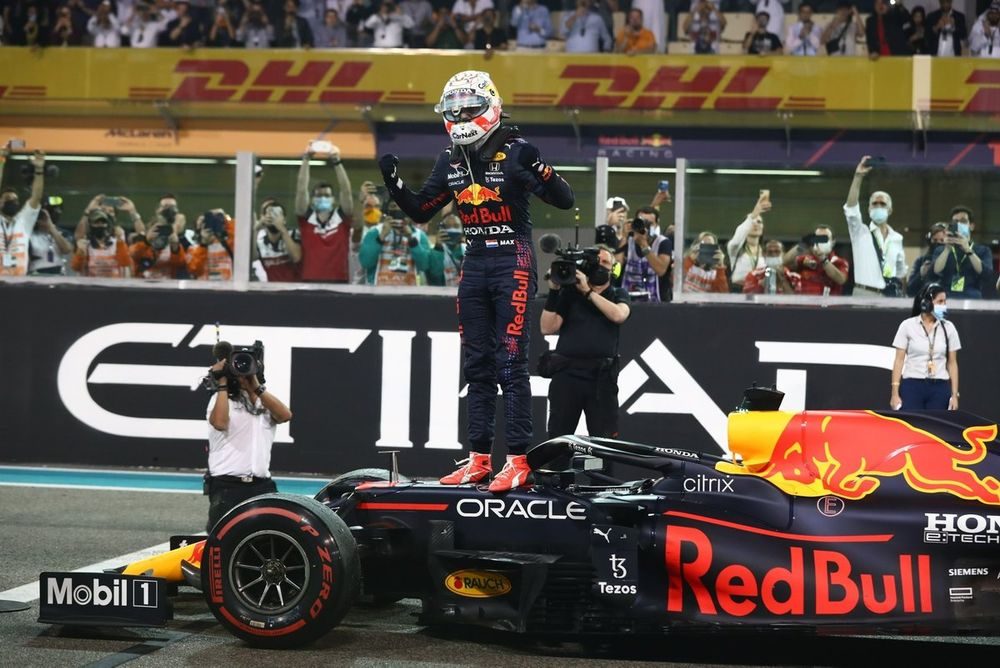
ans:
(845, 453)
(477, 194)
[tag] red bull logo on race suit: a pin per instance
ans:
(846, 453)
(477, 194)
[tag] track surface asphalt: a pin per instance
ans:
(65, 529)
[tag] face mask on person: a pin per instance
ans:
(323, 204)
(372, 216)
(879, 214)
(10, 207)
(963, 230)
(824, 248)
(940, 311)
(773, 262)
(601, 276)
(654, 231)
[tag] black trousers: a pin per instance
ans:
(572, 392)
(224, 494)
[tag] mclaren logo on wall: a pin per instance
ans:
(82, 368)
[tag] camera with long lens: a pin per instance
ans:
(241, 362)
(569, 260)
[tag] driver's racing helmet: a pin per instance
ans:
(473, 92)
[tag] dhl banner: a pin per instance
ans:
(315, 83)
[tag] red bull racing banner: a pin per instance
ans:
(306, 84)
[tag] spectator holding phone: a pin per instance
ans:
(925, 369)
(946, 32)
(104, 28)
(255, 31)
(325, 228)
(634, 38)
(745, 251)
(705, 266)
(294, 31)
(212, 258)
(183, 30)
(961, 266)
(584, 30)
(388, 25)
(761, 41)
(704, 26)
(822, 271)
(103, 253)
(842, 34)
(48, 247)
(158, 252)
(879, 259)
(920, 272)
(277, 248)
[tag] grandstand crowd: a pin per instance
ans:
(634, 27)
(327, 232)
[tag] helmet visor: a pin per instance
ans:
(456, 104)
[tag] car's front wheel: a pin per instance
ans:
(280, 570)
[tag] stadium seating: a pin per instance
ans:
(738, 24)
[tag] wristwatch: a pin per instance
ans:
(261, 389)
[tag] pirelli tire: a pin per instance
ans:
(280, 571)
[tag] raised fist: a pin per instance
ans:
(531, 160)
(388, 165)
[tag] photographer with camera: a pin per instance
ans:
(103, 253)
(394, 251)
(822, 271)
(964, 268)
(586, 312)
(212, 258)
(646, 258)
(705, 266)
(278, 248)
(158, 253)
(18, 222)
(243, 418)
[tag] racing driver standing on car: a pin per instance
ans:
(489, 173)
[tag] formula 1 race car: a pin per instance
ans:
(860, 521)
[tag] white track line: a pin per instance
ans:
(29, 592)
(102, 487)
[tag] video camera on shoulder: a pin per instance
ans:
(569, 260)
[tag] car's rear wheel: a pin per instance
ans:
(280, 570)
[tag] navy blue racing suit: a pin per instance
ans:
(490, 189)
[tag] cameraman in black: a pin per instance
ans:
(584, 365)
(243, 417)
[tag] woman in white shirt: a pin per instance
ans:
(925, 371)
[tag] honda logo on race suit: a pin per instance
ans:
(81, 367)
